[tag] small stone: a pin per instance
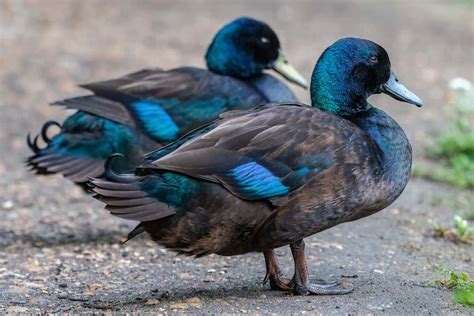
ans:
(62, 296)
(211, 271)
(63, 285)
(95, 286)
(176, 306)
(152, 301)
(378, 271)
(194, 301)
(17, 310)
(6, 205)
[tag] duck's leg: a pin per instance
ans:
(302, 286)
(274, 274)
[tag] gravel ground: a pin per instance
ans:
(59, 251)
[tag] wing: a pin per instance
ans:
(165, 105)
(119, 99)
(180, 83)
(264, 153)
(102, 107)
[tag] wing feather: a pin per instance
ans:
(259, 154)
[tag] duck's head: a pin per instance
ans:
(350, 71)
(245, 47)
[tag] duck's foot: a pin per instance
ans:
(274, 275)
(322, 289)
(302, 286)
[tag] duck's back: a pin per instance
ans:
(135, 113)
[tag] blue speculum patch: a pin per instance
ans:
(155, 120)
(303, 171)
(257, 181)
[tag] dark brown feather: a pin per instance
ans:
(102, 107)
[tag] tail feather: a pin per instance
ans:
(44, 130)
(126, 194)
(109, 184)
(125, 198)
(83, 175)
(50, 159)
(119, 202)
(138, 230)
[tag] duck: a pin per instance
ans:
(255, 180)
(150, 108)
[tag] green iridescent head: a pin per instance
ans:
(246, 47)
(350, 71)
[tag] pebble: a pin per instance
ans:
(6, 205)
(62, 296)
(152, 301)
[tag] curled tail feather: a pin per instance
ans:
(47, 160)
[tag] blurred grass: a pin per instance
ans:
(464, 4)
(453, 150)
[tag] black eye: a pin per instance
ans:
(373, 59)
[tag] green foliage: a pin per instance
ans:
(439, 230)
(460, 232)
(465, 294)
(458, 282)
(469, 215)
(463, 229)
(454, 149)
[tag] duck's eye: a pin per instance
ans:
(373, 59)
(264, 40)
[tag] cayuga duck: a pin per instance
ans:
(135, 113)
(260, 179)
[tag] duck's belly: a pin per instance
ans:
(219, 223)
(224, 224)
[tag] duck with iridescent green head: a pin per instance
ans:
(136, 113)
(256, 180)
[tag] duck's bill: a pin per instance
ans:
(399, 92)
(283, 67)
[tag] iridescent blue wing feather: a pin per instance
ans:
(252, 155)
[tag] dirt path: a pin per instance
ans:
(60, 252)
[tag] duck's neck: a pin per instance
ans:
(392, 147)
(332, 90)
